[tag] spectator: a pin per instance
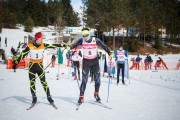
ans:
(68, 57)
(138, 59)
(6, 42)
(120, 56)
(178, 65)
(53, 59)
(76, 63)
(149, 59)
(160, 64)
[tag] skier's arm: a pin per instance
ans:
(53, 45)
(23, 54)
(100, 43)
(126, 53)
(80, 54)
(77, 43)
(115, 54)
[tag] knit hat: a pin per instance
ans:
(85, 31)
(120, 46)
(38, 35)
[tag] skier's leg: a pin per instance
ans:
(85, 72)
(78, 70)
(122, 66)
(75, 67)
(96, 72)
(118, 71)
(32, 76)
(41, 74)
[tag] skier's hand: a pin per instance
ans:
(68, 47)
(111, 54)
(62, 45)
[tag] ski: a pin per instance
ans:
(125, 84)
(54, 106)
(122, 84)
(32, 105)
(101, 104)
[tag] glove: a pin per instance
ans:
(68, 47)
(111, 54)
(62, 45)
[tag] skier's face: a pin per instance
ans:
(39, 41)
(86, 37)
(120, 48)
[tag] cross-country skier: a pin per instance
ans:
(120, 56)
(36, 51)
(53, 60)
(90, 61)
(76, 63)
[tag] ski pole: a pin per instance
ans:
(109, 81)
(51, 61)
(75, 73)
(128, 70)
(108, 89)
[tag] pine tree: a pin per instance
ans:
(29, 24)
(1, 17)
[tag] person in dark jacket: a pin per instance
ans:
(90, 61)
(138, 59)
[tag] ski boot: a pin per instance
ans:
(117, 82)
(34, 100)
(72, 74)
(81, 99)
(50, 99)
(96, 96)
(79, 77)
(74, 77)
(123, 82)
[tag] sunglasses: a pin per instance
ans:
(86, 35)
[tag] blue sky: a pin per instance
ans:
(76, 5)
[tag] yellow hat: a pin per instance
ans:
(85, 31)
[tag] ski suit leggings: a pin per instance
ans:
(76, 66)
(118, 71)
(88, 64)
(33, 69)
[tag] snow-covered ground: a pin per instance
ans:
(150, 95)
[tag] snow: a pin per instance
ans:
(150, 95)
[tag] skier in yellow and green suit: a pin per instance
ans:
(36, 51)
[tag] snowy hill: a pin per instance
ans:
(150, 95)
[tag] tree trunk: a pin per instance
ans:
(113, 40)
(144, 37)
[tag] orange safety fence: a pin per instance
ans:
(22, 64)
(154, 66)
